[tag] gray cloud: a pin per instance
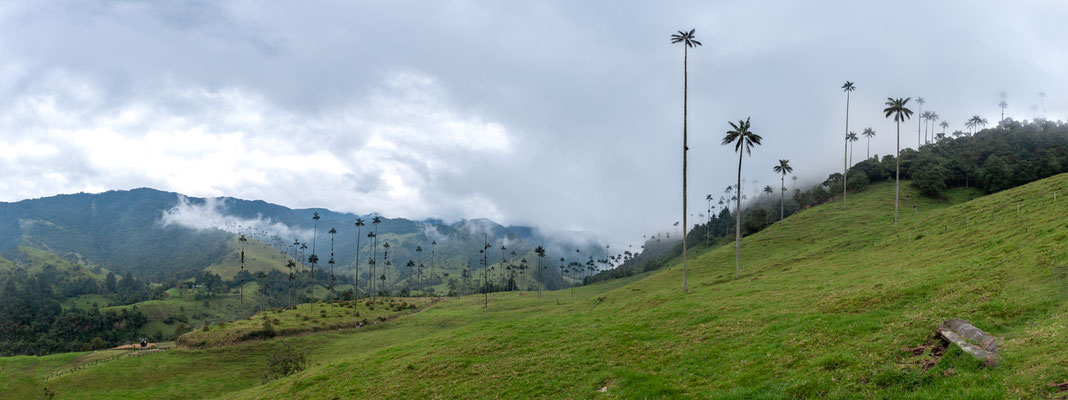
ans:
(562, 115)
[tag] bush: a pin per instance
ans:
(285, 361)
(858, 180)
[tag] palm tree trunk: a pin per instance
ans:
(897, 176)
(869, 147)
(782, 197)
(685, 83)
(738, 221)
(918, 109)
(845, 159)
(356, 286)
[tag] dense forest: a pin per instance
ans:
(34, 321)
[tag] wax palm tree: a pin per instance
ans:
(977, 122)
(1042, 98)
(356, 288)
(708, 222)
(919, 110)
(433, 255)
(897, 109)
(242, 240)
(540, 251)
(743, 140)
(851, 138)
(868, 133)
(687, 39)
(290, 264)
(970, 124)
(385, 268)
(944, 125)
(848, 88)
(931, 118)
(782, 169)
(728, 191)
(374, 253)
(313, 259)
(1003, 105)
(419, 271)
(332, 232)
(924, 117)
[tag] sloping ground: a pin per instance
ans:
(303, 319)
(826, 301)
(259, 257)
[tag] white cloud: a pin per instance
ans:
(383, 153)
(212, 214)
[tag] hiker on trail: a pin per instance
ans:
(144, 342)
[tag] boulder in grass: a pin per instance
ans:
(981, 345)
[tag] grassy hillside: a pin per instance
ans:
(307, 318)
(259, 257)
(826, 301)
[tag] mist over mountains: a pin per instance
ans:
(158, 234)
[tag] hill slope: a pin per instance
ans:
(826, 301)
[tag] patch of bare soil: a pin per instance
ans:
(134, 346)
(927, 354)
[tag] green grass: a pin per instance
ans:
(259, 257)
(86, 301)
(302, 319)
(825, 302)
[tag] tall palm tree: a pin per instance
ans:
(332, 232)
(977, 123)
(970, 124)
(782, 169)
(419, 272)
(433, 255)
(919, 110)
(1042, 98)
(851, 138)
(687, 39)
(728, 191)
(356, 288)
(314, 258)
(385, 268)
(931, 118)
(868, 133)
(290, 264)
(374, 253)
(743, 140)
(924, 116)
(1003, 105)
(897, 109)
(242, 240)
(944, 125)
(848, 88)
(708, 222)
(540, 251)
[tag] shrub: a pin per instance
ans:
(285, 361)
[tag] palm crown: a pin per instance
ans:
(742, 137)
(848, 87)
(897, 109)
(686, 38)
(868, 132)
(783, 167)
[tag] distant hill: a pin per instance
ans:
(161, 235)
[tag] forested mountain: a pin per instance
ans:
(160, 235)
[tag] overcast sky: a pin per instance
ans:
(562, 115)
